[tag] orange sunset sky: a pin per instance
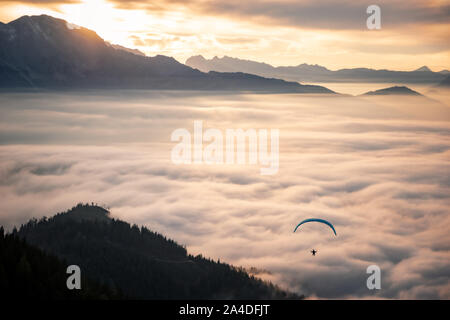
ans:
(280, 32)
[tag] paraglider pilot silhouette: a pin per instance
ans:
(314, 251)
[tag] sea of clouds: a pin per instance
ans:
(377, 168)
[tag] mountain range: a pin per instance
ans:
(133, 261)
(316, 73)
(45, 52)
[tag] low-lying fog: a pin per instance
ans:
(377, 168)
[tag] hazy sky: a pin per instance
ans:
(281, 32)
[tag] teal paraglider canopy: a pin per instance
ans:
(316, 220)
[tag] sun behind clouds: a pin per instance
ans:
(277, 32)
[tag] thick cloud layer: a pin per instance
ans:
(377, 168)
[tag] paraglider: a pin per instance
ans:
(314, 251)
(316, 220)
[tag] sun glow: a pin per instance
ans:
(179, 30)
(110, 23)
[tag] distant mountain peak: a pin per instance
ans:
(395, 90)
(424, 69)
(197, 57)
(312, 67)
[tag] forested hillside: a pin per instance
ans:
(28, 272)
(141, 263)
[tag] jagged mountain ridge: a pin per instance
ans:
(315, 73)
(45, 52)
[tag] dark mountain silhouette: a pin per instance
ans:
(397, 90)
(445, 82)
(141, 263)
(45, 52)
(27, 272)
(315, 73)
(423, 69)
